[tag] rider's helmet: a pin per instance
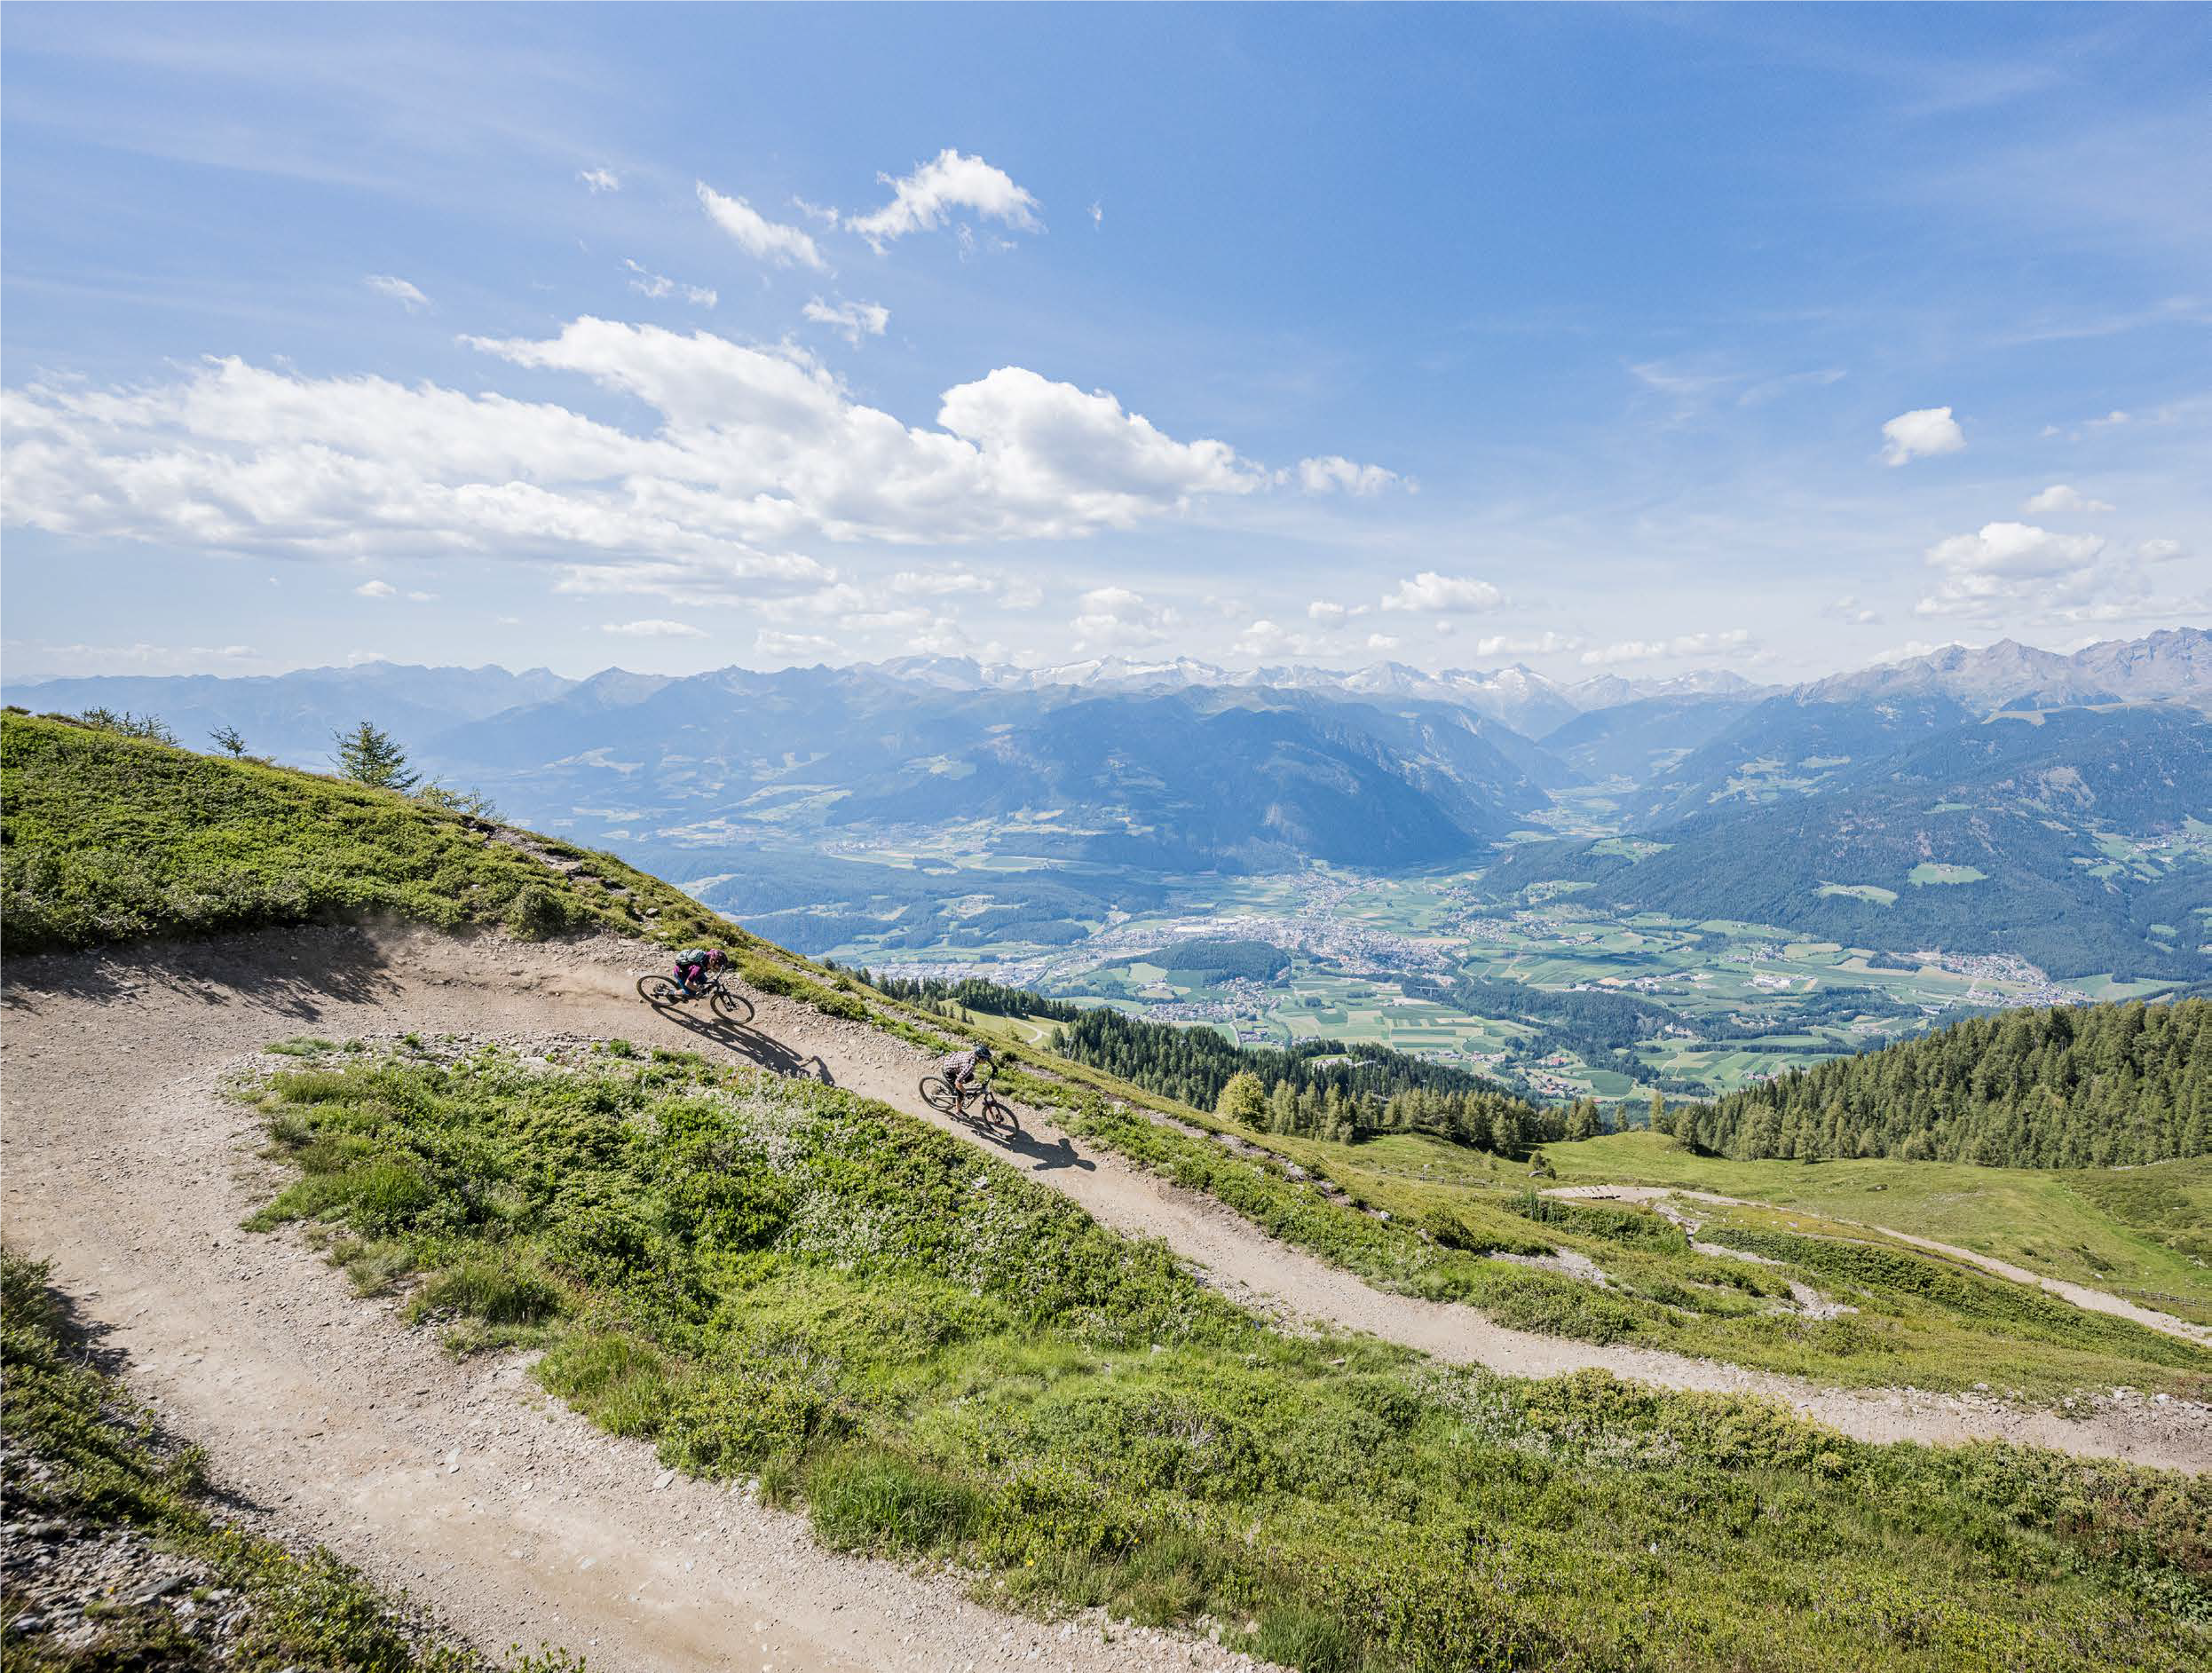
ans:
(716, 958)
(983, 1054)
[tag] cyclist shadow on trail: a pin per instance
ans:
(741, 1040)
(1042, 1157)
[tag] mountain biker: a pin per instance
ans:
(694, 965)
(959, 1072)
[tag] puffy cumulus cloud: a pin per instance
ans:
(1848, 608)
(377, 589)
(1265, 638)
(947, 182)
(2058, 498)
(2006, 566)
(1115, 616)
(653, 628)
(398, 289)
(1736, 642)
(1921, 434)
(1076, 461)
(756, 449)
(1536, 644)
(648, 283)
(1336, 474)
(1429, 591)
(1382, 641)
(851, 320)
(759, 237)
(598, 180)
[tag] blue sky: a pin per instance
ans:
(1606, 340)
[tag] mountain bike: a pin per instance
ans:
(984, 1107)
(725, 1000)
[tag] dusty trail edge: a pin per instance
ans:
(128, 1169)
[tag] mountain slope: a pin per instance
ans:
(104, 838)
(2075, 843)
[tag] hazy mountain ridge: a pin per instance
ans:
(1983, 836)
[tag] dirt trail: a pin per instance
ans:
(128, 1168)
(2080, 1295)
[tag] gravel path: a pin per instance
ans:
(2080, 1294)
(127, 1167)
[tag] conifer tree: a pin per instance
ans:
(369, 756)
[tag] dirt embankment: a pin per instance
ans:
(127, 1166)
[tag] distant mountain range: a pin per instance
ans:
(1802, 805)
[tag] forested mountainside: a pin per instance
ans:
(1317, 1088)
(2072, 1086)
(2075, 843)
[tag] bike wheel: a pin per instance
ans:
(732, 1007)
(998, 1113)
(938, 1096)
(659, 990)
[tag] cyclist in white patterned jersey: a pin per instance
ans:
(959, 1072)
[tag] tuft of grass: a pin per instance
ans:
(300, 1045)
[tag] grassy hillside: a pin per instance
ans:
(2143, 1233)
(88, 1464)
(104, 838)
(937, 1356)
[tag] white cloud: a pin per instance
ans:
(2059, 498)
(821, 212)
(1264, 638)
(770, 642)
(939, 583)
(376, 589)
(2007, 565)
(659, 285)
(1429, 591)
(1328, 614)
(2157, 551)
(1382, 641)
(600, 179)
(852, 320)
(423, 598)
(1098, 215)
(2112, 418)
(1736, 642)
(1921, 434)
(653, 628)
(1115, 616)
(754, 450)
(1848, 608)
(33, 659)
(1545, 643)
(759, 237)
(397, 289)
(1335, 473)
(949, 181)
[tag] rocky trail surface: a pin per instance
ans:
(129, 1168)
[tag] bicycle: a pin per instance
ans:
(726, 1002)
(988, 1109)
